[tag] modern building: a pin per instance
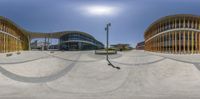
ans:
(121, 47)
(79, 41)
(34, 45)
(15, 38)
(174, 34)
(12, 38)
(40, 45)
(140, 46)
(54, 47)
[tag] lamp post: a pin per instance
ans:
(107, 38)
(107, 44)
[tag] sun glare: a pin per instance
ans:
(101, 10)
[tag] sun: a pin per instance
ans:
(100, 10)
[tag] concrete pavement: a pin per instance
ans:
(84, 75)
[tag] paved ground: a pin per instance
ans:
(83, 75)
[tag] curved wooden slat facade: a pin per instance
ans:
(174, 34)
(14, 38)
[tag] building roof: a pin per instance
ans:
(42, 34)
(169, 16)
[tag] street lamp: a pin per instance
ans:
(107, 43)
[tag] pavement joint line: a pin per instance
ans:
(48, 57)
(44, 57)
(103, 92)
(141, 56)
(141, 63)
(25, 61)
(38, 79)
(197, 66)
(79, 60)
(176, 59)
(19, 62)
(71, 59)
(74, 60)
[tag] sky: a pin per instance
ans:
(129, 18)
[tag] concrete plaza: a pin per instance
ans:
(84, 75)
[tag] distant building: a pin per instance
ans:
(54, 47)
(34, 44)
(39, 45)
(121, 47)
(140, 45)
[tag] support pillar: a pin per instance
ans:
(184, 42)
(196, 48)
(175, 42)
(45, 43)
(163, 47)
(175, 23)
(184, 22)
(172, 42)
(48, 43)
(188, 41)
(179, 41)
(196, 24)
(29, 43)
(4, 43)
(160, 42)
(192, 42)
(199, 41)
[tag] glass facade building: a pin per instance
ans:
(174, 34)
(79, 41)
